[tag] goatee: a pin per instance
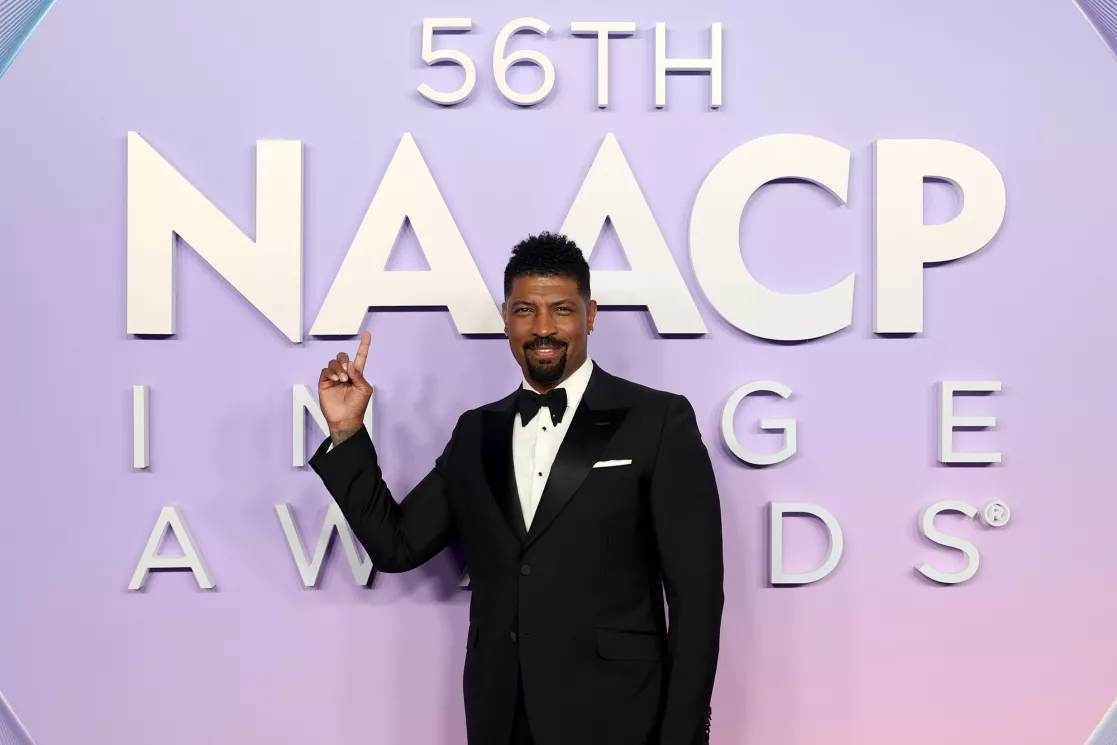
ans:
(547, 373)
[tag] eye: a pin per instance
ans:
(522, 310)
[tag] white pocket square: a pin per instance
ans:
(611, 463)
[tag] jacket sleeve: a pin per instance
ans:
(397, 537)
(686, 513)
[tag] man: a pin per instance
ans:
(580, 500)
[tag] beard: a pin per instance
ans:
(545, 372)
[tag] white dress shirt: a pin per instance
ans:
(534, 447)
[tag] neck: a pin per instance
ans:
(548, 387)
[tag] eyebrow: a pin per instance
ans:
(563, 301)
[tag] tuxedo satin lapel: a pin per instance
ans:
(595, 422)
(500, 470)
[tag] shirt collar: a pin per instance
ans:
(575, 385)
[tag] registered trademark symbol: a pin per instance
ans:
(995, 513)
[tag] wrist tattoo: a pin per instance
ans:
(341, 435)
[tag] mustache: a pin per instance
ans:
(544, 341)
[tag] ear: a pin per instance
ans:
(591, 313)
(504, 315)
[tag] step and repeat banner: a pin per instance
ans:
(871, 243)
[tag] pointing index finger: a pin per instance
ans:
(362, 352)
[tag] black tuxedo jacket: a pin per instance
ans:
(575, 605)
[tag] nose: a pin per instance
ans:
(543, 324)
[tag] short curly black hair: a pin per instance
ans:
(548, 255)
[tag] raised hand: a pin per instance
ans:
(343, 392)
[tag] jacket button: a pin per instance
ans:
(525, 569)
(512, 635)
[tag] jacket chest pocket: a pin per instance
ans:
(614, 480)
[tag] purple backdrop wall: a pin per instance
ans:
(1024, 653)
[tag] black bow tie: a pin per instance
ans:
(528, 404)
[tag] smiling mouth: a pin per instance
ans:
(546, 351)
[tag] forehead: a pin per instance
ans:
(543, 288)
